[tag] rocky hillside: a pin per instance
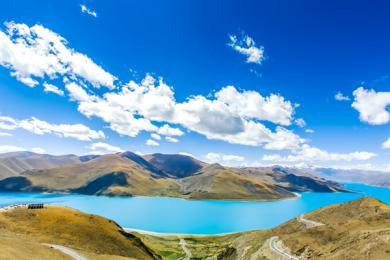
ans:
(358, 229)
(25, 234)
(165, 175)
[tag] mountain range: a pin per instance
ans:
(174, 175)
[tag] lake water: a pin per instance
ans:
(172, 215)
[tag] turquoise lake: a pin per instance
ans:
(171, 215)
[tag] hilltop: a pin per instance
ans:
(126, 174)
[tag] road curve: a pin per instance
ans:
(309, 223)
(274, 247)
(67, 251)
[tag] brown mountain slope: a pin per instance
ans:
(90, 235)
(11, 164)
(110, 174)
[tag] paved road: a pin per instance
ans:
(309, 223)
(67, 251)
(274, 247)
(183, 245)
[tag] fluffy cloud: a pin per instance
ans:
(53, 89)
(341, 97)
(312, 154)
(151, 142)
(155, 136)
(310, 131)
(386, 144)
(103, 148)
(225, 159)
(229, 115)
(170, 131)
(300, 122)
(36, 52)
(372, 106)
(5, 134)
(246, 46)
(86, 10)
(40, 127)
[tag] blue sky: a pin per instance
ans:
(312, 51)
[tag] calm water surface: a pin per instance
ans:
(171, 215)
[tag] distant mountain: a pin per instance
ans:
(162, 175)
(376, 178)
(11, 164)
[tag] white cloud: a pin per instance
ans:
(246, 46)
(341, 97)
(171, 139)
(12, 148)
(187, 154)
(155, 136)
(372, 106)
(170, 131)
(386, 144)
(85, 9)
(300, 122)
(223, 117)
(312, 154)
(40, 127)
(51, 88)
(151, 142)
(5, 134)
(310, 131)
(103, 148)
(36, 52)
(225, 159)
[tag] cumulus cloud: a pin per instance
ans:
(53, 89)
(225, 159)
(101, 148)
(5, 134)
(386, 144)
(86, 10)
(40, 127)
(35, 52)
(372, 106)
(170, 131)
(313, 154)
(151, 142)
(230, 115)
(341, 97)
(247, 46)
(155, 136)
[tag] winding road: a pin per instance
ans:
(309, 223)
(183, 245)
(274, 247)
(67, 251)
